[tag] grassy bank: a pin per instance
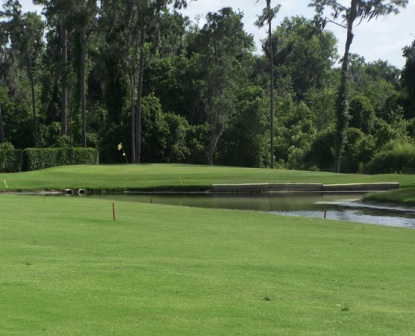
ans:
(68, 269)
(404, 197)
(134, 177)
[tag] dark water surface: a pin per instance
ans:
(343, 207)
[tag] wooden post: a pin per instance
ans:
(113, 211)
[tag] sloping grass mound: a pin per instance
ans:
(404, 196)
(173, 177)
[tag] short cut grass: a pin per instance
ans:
(67, 268)
(174, 176)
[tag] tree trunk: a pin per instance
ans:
(64, 98)
(83, 91)
(342, 108)
(271, 89)
(2, 138)
(214, 140)
(132, 107)
(139, 97)
(32, 87)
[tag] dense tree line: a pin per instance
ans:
(137, 72)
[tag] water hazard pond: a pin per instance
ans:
(343, 207)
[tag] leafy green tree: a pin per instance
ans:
(13, 102)
(26, 38)
(268, 14)
(358, 10)
(177, 149)
(57, 14)
(30, 44)
(295, 133)
(5, 66)
(304, 54)
(378, 81)
(408, 79)
(198, 143)
(396, 157)
(177, 81)
(2, 138)
(320, 155)
(359, 150)
(155, 130)
(321, 104)
(223, 44)
(82, 19)
(395, 128)
(136, 24)
(245, 143)
(362, 114)
(16, 115)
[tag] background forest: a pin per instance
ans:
(100, 73)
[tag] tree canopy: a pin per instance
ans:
(140, 73)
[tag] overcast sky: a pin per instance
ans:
(381, 39)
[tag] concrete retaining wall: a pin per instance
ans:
(302, 187)
(383, 186)
(266, 187)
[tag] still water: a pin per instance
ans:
(343, 207)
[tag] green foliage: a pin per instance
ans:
(16, 118)
(198, 142)
(224, 44)
(245, 143)
(303, 53)
(177, 149)
(408, 79)
(321, 103)
(37, 158)
(155, 130)
(377, 81)
(6, 146)
(397, 156)
(296, 132)
(362, 114)
(321, 152)
(358, 151)
(10, 158)
(203, 90)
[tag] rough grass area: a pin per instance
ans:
(173, 176)
(67, 268)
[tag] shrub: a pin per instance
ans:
(320, 155)
(358, 151)
(10, 158)
(39, 158)
(395, 157)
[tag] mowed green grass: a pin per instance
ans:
(121, 177)
(67, 268)
(405, 196)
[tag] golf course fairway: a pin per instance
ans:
(67, 268)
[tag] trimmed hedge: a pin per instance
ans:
(40, 158)
(11, 160)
